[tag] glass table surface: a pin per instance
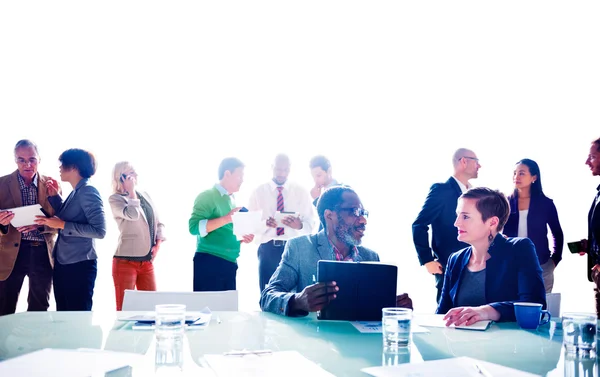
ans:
(334, 345)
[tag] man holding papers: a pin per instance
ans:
(287, 213)
(215, 262)
(26, 250)
(293, 290)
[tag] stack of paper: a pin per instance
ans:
(375, 327)
(247, 223)
(193, 320)
(437, 320)
(68, 363)
(264, 364)
(455, 367)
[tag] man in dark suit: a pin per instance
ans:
(26, 250)
(439, 211)
(592, 243)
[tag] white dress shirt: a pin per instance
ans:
(522, 230)
(295, 199)
(463, 188)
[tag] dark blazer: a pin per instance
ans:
(439, 211)
(513, 273)
(298, 268)
(83, 213)
(541, 212)
(593, 233)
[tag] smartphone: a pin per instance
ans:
(45, 212)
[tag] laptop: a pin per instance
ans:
(365, 288)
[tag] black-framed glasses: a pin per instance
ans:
(356, 212)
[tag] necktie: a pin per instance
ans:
(280, 231)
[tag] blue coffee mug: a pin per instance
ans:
(530, 315)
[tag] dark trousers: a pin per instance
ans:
(212, 273)
(596, 279)
(439, 284)
(32, 261)
(269, 256)
(74, 285)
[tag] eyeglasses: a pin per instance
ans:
(471, 158)
(31, 161)
(356, 212)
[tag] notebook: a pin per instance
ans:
(364, 289)
(437, 320)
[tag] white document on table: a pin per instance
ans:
(50, 362)
(437, 320)
(455, 367)
(245, 223)
(269, 364)
(375, 327)
(25, 215)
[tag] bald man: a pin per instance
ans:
(280, 195)
(439, 211)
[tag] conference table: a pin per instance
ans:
(336, 346)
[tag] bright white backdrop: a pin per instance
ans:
(387, 90)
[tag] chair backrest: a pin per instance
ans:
(553, 304)
(135, 300)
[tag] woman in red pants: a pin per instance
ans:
(141, 233)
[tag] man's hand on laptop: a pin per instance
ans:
(403, 301)
(315, 297)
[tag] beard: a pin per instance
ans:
(344, 233)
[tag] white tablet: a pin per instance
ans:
(26, 215)
(280, 215)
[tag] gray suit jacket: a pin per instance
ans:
(297, 268)
(83, 213)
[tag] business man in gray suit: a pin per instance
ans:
(292, 290)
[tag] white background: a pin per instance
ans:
(387, 90)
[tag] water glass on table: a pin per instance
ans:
(579, 333)
(396, 328)
(169, 331)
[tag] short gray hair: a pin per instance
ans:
(26, 143)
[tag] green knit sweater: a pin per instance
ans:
(221, 242)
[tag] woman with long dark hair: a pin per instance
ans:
(531, 212)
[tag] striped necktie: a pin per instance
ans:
(280, 231)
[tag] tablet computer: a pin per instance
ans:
(364, 289)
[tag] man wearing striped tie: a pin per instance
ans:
(276, 198)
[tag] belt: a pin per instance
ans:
(278, 243)
(33, 243)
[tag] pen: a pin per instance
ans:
(482, 371)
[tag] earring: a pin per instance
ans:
(490, 237)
